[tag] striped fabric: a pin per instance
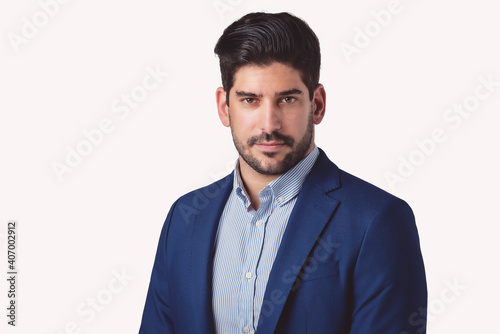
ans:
(246, 246)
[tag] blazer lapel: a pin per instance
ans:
(313, 209)
(211, 203)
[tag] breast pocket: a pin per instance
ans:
(315, 270)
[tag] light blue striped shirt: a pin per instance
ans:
(246, 246)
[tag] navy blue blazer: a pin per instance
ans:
(349, 262)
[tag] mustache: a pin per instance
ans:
(273, 136)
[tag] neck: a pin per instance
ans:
(254, 182)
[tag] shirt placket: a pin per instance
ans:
(253, 252)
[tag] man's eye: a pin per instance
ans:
(288, 99)
(249, 100)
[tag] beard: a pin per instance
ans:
(297, 153)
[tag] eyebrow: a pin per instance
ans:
(247, 94)
(293, 91)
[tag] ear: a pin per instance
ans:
(319, 104)
(222, 107)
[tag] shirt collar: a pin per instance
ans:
(283, 188)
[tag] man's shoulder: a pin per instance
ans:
(354, 191)
(361, 204)
(209, 191)
(366, 198)
(356, 185)
(206, 198)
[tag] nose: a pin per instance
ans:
(269, 117)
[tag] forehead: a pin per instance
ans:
(267, 79)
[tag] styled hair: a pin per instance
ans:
(263, 38)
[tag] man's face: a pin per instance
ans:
(271, 117)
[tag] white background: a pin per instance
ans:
(106, 214)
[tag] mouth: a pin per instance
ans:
(270, 146)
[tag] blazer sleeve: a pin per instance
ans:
(389, 276)
(157, 315)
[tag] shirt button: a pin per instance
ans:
(248, 275)
(281, 198)
(246, 329)
(259, 223)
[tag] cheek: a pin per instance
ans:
(295, 124)
(243, 123)
(241, 127)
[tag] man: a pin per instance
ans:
(288, 242)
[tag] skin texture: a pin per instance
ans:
(272, 121)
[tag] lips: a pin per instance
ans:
(270, 146)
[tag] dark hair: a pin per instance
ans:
(263, 38)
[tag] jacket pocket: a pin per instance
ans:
(316, 270)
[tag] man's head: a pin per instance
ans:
(263, 38)
(270, 97)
